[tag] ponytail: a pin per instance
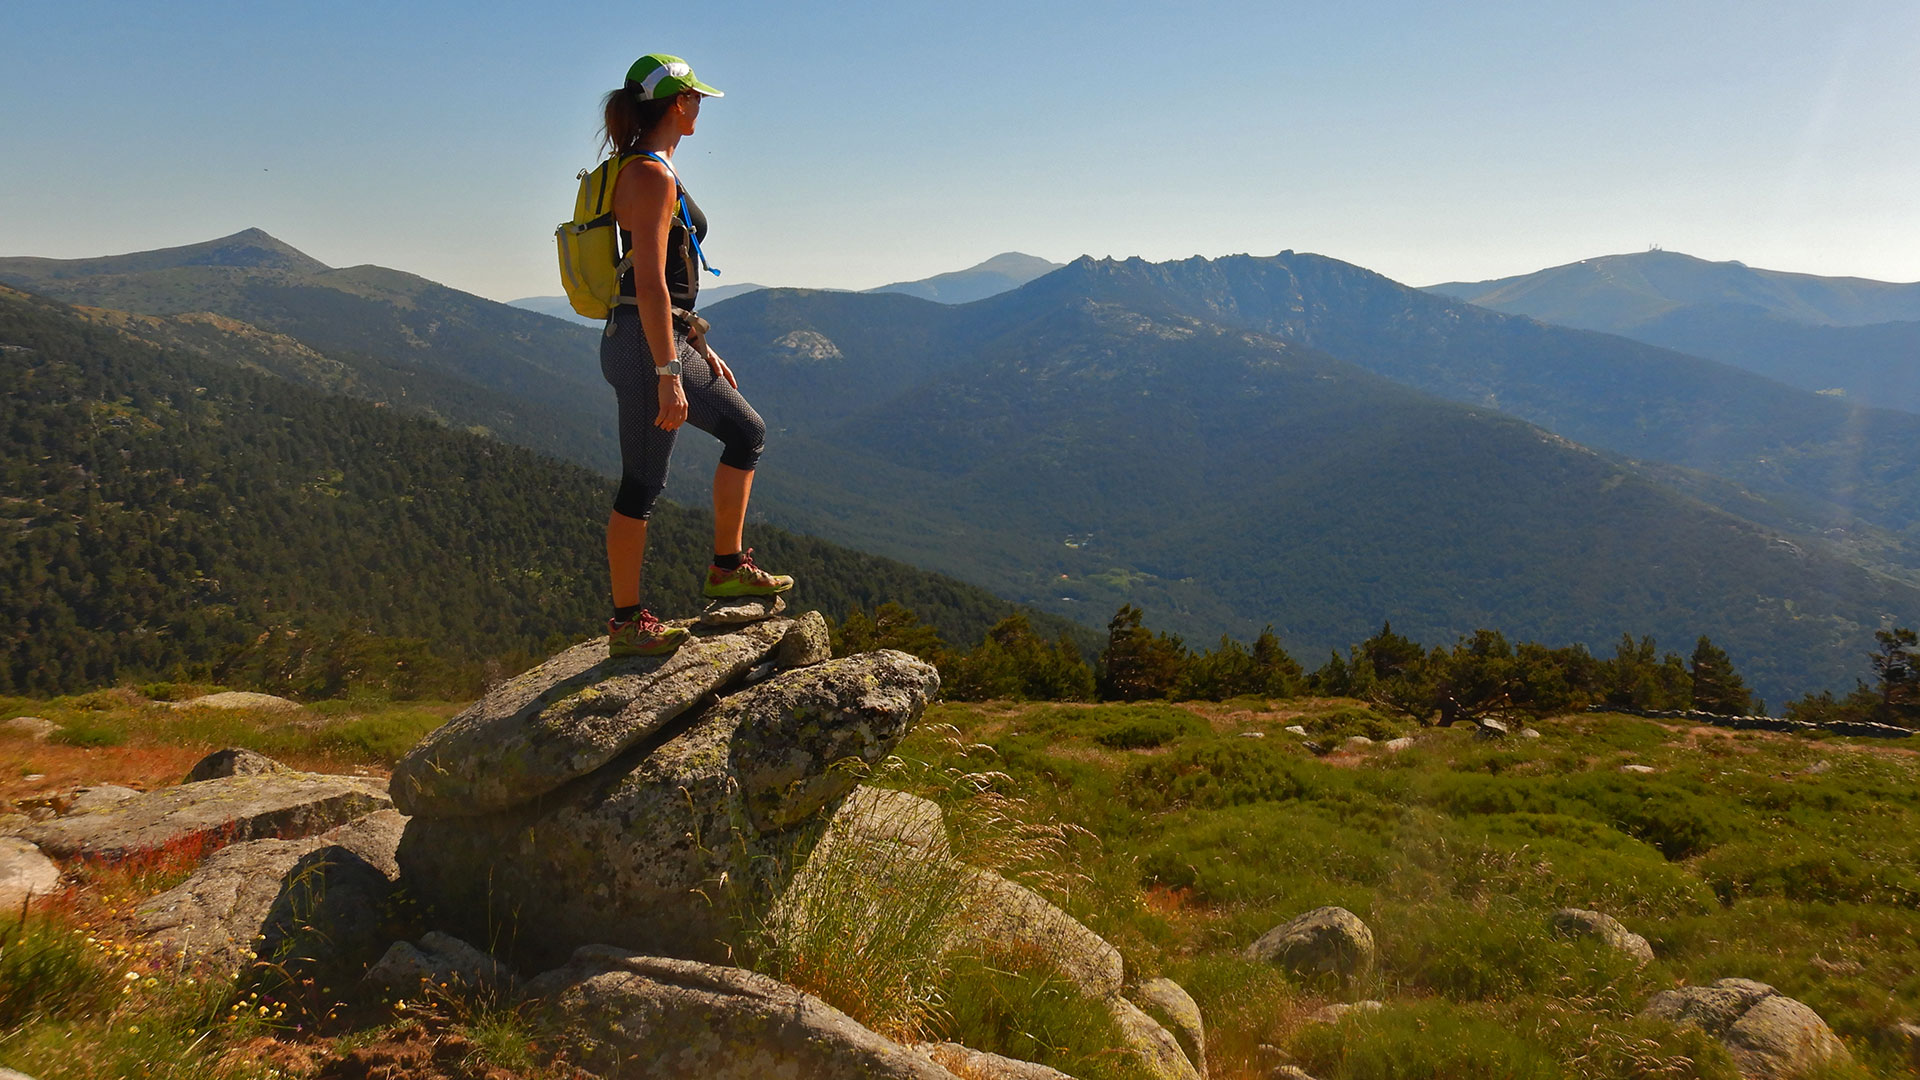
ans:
(627, 120)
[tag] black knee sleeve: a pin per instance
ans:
(635, 498)
(742, 443)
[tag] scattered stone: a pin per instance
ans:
(658, 850)
(1289, 1072)
(9, 1074)
(233, 761)
(212, 813)
(1326, 940)
(221, 911)
(29, 727)
(1332, 1014)
(1357, 742)
(980, 1065)
(740, 610)
(1253, 734)
(1580, 922)
(440, 961)
(809, 642)
(1817, 768)
(1168, 1002)
(1768, 1035)
(236, 699)
(1907, 1034)
(1529, 733)
(1154, 1046)
(1641, 769)
(1296, 729)
(646, 1016)
(24, 873)
(1492, 729)
(1399, 744)
(566, 718)
(90, 800)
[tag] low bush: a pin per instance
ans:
(1423, 1041)
(1014, 1003)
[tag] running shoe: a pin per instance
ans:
(745, 580)
(643, 635)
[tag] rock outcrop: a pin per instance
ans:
(980, 1065)
(24, 873)
(439, 964)
(672, 843)
(1580, 922)
(1324, 941)
(1169, 1003)
(646, 1016)
(568, 717)
(212, 813)
(225, 910)
(1768, 1035)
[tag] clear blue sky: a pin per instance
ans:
(865, 143)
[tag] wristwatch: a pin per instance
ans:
(672, 368)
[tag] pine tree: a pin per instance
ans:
(1897, 668)
(1717, 687)
(1137, 663)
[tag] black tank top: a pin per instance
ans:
(683, 270)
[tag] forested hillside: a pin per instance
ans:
(167, 514)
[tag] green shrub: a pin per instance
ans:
(1226, 772)
(48, 970)
(1425, 1041)
(90, 733)
(383, 737)
(1142, 727)
(1016, 1004)
(1502, 951)
(1680, 822)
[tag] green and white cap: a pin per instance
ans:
(657, 75)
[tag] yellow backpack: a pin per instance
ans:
(590, 260)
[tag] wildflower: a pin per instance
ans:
(131, 975)
(133, 1029)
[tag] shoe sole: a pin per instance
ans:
(711, 595)
(673, 645)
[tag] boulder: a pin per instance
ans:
(1168, 1002)
(329, 920)
(29, 727)
(658, 850)
(1332, 1014)
(1529, 733)
(1356, 742)
(24, 873)
(1768, 1035)
(1642, 769)
(1580, 922)
(233, 761)
(1906, 1036)
(440, 962)
(9, 1074)
(1295, 729)
(1153, 1045)
(795, 735)
(740, 610)
(1003, 912)
(566, 718)
(807, 643)
(237, 699)
(1399, 744)
(221, 911)
(645, 1016)
(88, 800)
(212, 813)
(980, 1065)
(1324, 941)
(1492, 729)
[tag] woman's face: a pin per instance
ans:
(688, 111)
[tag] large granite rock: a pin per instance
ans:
(568, 717)
(1003, 912)
(658, 851)
(439, 964)
(980, 1065)
(1324, 941)
(1151, 1044)
(1580, 922)
(212, 813)
(24, 873)
(222, 911)
(643, 1016)
(1768, 1035)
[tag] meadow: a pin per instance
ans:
(1180, 833)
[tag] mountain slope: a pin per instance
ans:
(164, 510)
(558, 307)
(1008, 270)
(1616, 293)
(385, 335)
(1076, 452)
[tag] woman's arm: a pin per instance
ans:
(643, 202)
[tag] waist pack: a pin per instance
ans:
(591, 262)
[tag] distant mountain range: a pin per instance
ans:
(1849, 337)
(1228, 442)
(998, 274)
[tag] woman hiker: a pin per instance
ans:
(655, 353)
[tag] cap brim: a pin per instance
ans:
(705, 90)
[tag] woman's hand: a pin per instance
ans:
(673, 403)
(718, 365)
